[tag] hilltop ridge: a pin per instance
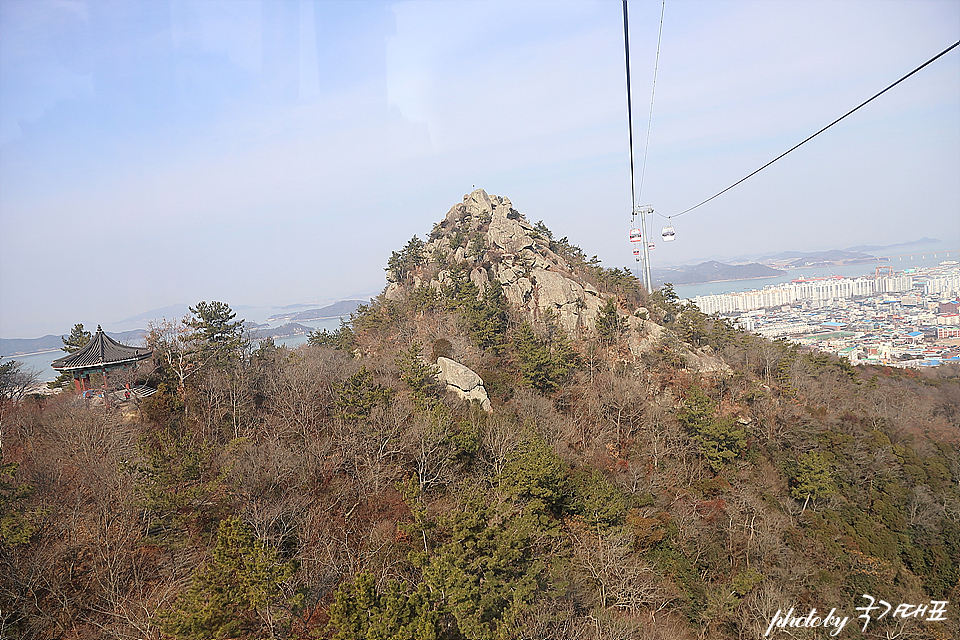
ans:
(485, 240)
(485, 235)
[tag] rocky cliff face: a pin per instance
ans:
(494, 241)
(487, 238)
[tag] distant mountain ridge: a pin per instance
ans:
(12, 347)
(19, 346)
(832, 254)
(883, 250)
(834, 257)
(850, 253)
(341, 308)
(173, 312)
(914, 243)
(713, 271)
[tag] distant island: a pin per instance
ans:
(342, 308)
(285, 331)
(13, 347)
(836, 257)
(713, 271)
(914, 243)
(832, 258)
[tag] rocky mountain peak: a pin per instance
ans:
(486, 235)
(487, 240)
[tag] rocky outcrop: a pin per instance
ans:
(506, 231)
(645, 336)
(575, 305)
(463, 381)
(705, 362)
(489, 241)
(394, 292)
(499, 244)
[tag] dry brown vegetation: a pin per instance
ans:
(636, 499)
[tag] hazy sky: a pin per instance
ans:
(162, 152)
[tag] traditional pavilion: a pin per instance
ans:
(102, 354)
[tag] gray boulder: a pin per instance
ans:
(463, 381)
(506, 231)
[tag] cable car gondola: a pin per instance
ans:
(635, 235)
(669, 235)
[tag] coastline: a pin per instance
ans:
(32, 353)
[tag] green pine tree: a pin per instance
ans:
(485, 569)
(78, 339)
(665, 303)
(610, 325)
(343, 338)
(594, 498)
(358, 395)
(720, 439)
(419, 376)
(487, 317)
(535, 473)
(813, 479)
(15, 525)
(360, 612)
(217, 338)
(399, 265)
(545, 363)
(237, 592)
(180, 484)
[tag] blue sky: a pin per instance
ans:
(154, 153)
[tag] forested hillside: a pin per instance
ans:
(643, 471)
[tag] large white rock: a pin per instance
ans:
(643, 336)
(394, 292)
(506, 232)
(575, 307)
(506, 274)
(479, 278)
(518, 293)
(463, 381)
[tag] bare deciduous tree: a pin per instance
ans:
(621, 580)
(15, 381)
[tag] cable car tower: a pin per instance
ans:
(638, 233)
(641, 244)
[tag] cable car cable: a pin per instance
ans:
(942, 53)
(626, 50)
(656, 65)
(647, 278)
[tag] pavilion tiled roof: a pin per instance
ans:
(101, 351)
